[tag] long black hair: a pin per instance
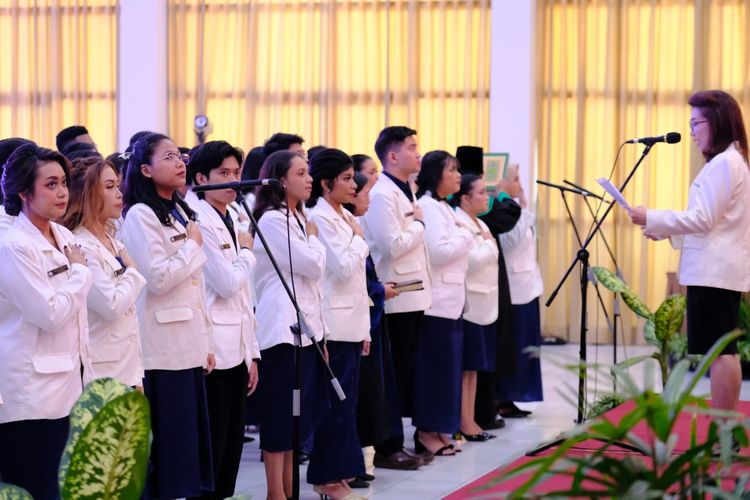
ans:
(273, 196)
(141, 189)
(325, 166)
(431, 171)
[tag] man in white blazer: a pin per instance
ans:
(229, 306)
(394, 230)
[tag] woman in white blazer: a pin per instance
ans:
(114, 337)
(481, 307)
(43, 328)
(164, 240)
(229, 303)
(293, 241)
(439, 364)
(337, 454)
(525, 281)
(715, 233)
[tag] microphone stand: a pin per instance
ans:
(582, 257)
(618, 273)
(583, 193)
(300, 328)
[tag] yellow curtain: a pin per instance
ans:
(58, 67)
(609, 71)
(333, 71)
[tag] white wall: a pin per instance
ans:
(142, 102)
(512, 85)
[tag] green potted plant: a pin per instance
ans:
(662, 328)
(108, 445)
(659, 473)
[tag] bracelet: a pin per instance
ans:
(420, 221)
(246, 248)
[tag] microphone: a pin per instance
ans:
(236, 186)
(670, 138)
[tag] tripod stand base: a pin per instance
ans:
(560, 440)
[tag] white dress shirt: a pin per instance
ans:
(227, 273)
(346, 305)
(275, 313)
(519, 250)
(114, 337)
(448, 245)
(716, 225)
(397, 244)
(175, 329)
(482, 290)
(43, 326)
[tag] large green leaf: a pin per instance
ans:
(608, 279)
(649, 334)
(636, 304)
(12, 492)
(668, 318)
(111, 454)
(95, 396)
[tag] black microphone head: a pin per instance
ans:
(673, 138)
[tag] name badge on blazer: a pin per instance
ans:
(225, 246)
(178, 237)
(121, 271)
(408, 214)
(57, 270)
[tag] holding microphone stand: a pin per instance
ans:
(298, 329)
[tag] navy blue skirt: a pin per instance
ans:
(438, 375)
(274, 395)
(478, 355)
(337, 453)
(30, 452)
(525, 383)
(181, 462)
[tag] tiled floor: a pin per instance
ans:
(445, 474)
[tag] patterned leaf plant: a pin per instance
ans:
(108, 446)
(11, 492)
(662, 327)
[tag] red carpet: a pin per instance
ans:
(481, 487)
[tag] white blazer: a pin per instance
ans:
(175, 330)
(346, 305)
(43, 327)
(716, 225)
(6, 221)
(275, 312)
(519, 250)
(397, 246)
(482, 300)
(448, 245)
(114, 337)
(228, 297)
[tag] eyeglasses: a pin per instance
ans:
(174, 157)
(693, 124)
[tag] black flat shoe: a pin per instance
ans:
(367, 477)
(499, 423)
(358, 482)
(476, 438)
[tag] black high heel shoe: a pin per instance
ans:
(442, 452)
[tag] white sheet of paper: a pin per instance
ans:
(614, 193)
